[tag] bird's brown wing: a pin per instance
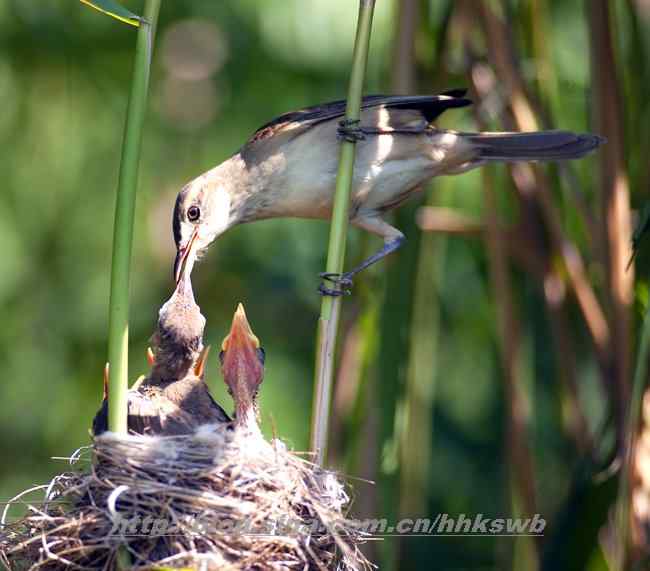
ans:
(426, 107)
(146, 416)
(177, 409)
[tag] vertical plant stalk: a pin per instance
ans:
(532, 182)
(631, 540)
(414, 438)
(520, 458)
(615, 194)
(508, 324)
(331, 306)
(509, 339)
(523, 251)
(573, 417)
(632, 427)
(525, 107)
(408, 425)
(118, 328)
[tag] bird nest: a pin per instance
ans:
(219, 498)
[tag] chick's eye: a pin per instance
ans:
(193, 213)
(261, 354)
(221, 356)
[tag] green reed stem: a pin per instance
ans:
(331, 306)
(118, 328)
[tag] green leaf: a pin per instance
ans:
(115, 10)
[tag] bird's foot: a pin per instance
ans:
(343, 281)
(350, 131)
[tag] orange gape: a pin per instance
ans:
(242, 365)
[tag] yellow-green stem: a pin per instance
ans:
(118, 328)
(331, 306)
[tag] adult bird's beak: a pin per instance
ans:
(240, 360)
(185, 257)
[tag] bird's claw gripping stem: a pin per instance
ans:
(332, 292)
(350, 131)
(343, 281)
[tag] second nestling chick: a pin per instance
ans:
(242, 365)
(174, 398)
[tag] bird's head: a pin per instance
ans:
(242, 365)
(202, 212)
(178, 338)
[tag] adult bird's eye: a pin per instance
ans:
(193, 213)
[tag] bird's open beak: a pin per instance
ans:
(240, 358)
(185, 257)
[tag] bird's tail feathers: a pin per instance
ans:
(538, 146)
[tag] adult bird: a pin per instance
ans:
(288, 169)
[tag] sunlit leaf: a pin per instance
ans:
(115, 10)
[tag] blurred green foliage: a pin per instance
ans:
(220, 70)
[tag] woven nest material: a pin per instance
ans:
(216, 499)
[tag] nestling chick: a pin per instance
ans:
(178, 339)
(174, 398)
(242, 365)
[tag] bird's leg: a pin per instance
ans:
(344, 284)
(344, 281)
(350, 131)
(393, 239)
